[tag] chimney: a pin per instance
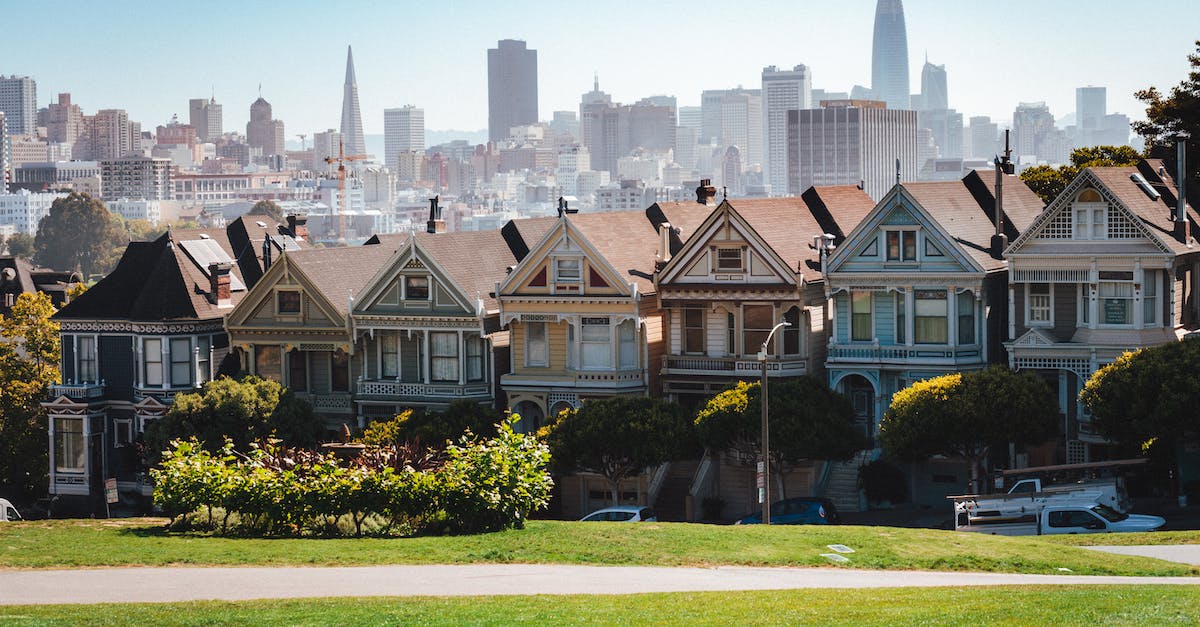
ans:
(435, 224)
(218, 284)
(664, 242)
(1004, 166)
(1181, 222)
(298, 226)
(705, 192)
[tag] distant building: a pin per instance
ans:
(615, 131)
(352, 128)
(79, 176)
(403, 130)
(148, 210)
(5, 167)
(934, 95)
(23, 210)
(262, 131)
(325, 145)
(628, 195)
(946, 126)
(594, 99)
(733, 117)
(1094, 126)
(565, 123)
(18, 103)
(205, 117)
(851, 142)
(19, 276)
(26, 149)
(889, 55)
(572, 161)
(984, 133)
(144, 178)
(64, 121)
(512, 87)
(782, 91)
(1035, 136)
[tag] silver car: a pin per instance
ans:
(622, 513)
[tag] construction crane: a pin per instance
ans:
(341, 160)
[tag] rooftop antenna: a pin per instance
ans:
(1004, 166)
(595, 81)
(260, 90)
(897, 170)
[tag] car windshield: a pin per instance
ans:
(1109, 514)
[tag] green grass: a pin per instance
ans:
(1065, 605)
(134, 542)
(1128, 539)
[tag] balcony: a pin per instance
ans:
(78, 391)
(732, 366)
(335, 403)
(387, 390)
(933, 355)
(604, 380)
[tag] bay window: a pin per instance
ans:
(152, 372)
(267, 362)
(929, 319)
(181, 362)
(791, 334)
(757, 321)
(1116, 302)
(862, 328)
(443, 354)
(298, 371)
(474, 358)
(70, 447)
(627, 345)
(966, 318)
(204, 359)
(596, 343)
(901, 319)
(389, 348)
(1150, 306)
(693, 331)
(536, 353)
(87, 358)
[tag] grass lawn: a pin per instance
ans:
(1066, 605)
(1128, 539)
(128, 542)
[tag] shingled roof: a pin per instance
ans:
(341, 272)
(474, 260)
(1156, 213)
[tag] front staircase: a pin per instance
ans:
(671, 504)
(842, 484)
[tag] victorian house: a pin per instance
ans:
(149, 330)
(1111, 265)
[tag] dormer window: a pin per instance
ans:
(731, 260)
(902, 245)
(1091, 215)
(567, 271)
(416, 288)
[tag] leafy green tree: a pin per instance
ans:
(29, 355)
(81, 234)
(242, 410)
(1148, 399)
(21, 245)
(1167, 116)
(620, 437)
(1048, 181)
(433, 428)
(267, 208)
(965, 414)
(808, 420)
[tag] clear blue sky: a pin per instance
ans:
(151, 57)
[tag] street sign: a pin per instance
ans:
(110, 491)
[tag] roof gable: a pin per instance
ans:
(725, 228)
(259, 306)
(384, 293)
(539, 273)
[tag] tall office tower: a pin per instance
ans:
(934, 96)
(984, 133)
(616, 130)
(733, 117)
(403, 130)
(565, 123)
(352, 128)
(18, 103)
(782, 91)
(946, 127)
(889, 55)
(5, 173)
(262, 131)
(512, 87)
(571, 161)
(691, 117)
(851, 141)
(1033, 126)
(685, 147)
(205, 117)
(325, 145)
(589, 106)
(64, 121)
(112, 136)
(1091, 104)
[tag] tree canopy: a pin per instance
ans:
(620, 437)
(1169, 114)
(808, 420)
(434, 428)
(29, 354)
(267, 208)
(1048, 181)
(965, 414)
(21, 245)
(79, 233)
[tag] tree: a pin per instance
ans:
(81, 234)
(1048, 181)
(21, 245)
(29, 355)
(244, 411)
(808, 420)
(434, 428)
(1167, 116)
(619, 437)
(966, 414)
(1147, 399)
(267, 208)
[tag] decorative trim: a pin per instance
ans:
(147, 328)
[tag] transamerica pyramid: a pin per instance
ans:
(352, 130)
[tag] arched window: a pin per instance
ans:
(1089, 195)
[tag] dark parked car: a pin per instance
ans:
(798, 511)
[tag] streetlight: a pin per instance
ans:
(764, 464)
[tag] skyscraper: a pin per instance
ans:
(889, 55)
(512, 87)
(5, 175)
(64, 123)
(733, 117)
(262, 131)
(782, 91)
(205, 116)
(851, 141)
(403, 130)
(18, 103)
(352, 129)
(1091, 104)
(934, 95)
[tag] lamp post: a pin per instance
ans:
(764, 463)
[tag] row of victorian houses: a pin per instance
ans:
(672, 301)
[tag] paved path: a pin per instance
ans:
(1182, 553)
(120, 585)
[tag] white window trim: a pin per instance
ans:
(529, 363)
(1135, 301)
(558, 278)
(917, 246)
(612, 345)
(289, 314)
(1040, 324)
(428, 288)
(1151, 277)
(683, 329)
(742, 258)
(850, 321)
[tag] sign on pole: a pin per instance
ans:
(761, 481)
(110, 491)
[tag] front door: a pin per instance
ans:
(862, 398)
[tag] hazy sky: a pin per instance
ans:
(151, 57)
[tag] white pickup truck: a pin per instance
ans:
(1107, 491)
(1068, 517)
(8, 512)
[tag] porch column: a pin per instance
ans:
(910, 308)
(462, 359)
(952, 314)
(166, 362)
(1139, 282)
(428, 358)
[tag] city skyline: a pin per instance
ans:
(450, 81)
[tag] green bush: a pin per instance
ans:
(883, 481)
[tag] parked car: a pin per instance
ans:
(622, 513)
(797, 511)
(8, 512)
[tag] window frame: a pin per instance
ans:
(686, 329)
(76, 444)
(868, 297)
(1030, 309)
(204, 358)
(967, 297)
(901, 308)
(91, 364)
(561, 277)
(538, 341)
(750, 342)
(185, 363)
(902, 236)
(1101, 317)
(298, 365)
(718, 258)
(279, 302)
(446, 359)
(475, 350)
(155, 358)
(410, 279)
(1151, 301)
(918, 337)
(793, 335)
(389, 360)
(599, 345)
(627, 347)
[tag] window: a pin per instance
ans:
(693, 331)
(87, 359)
(757, 321)
(1150, 299)
(966, 318)
(536, 353)
(1091, 213)
(443, 355)
(929, 319)
(1085, 305)
(931, 250)
(572, 352)
(181, 362)
(596, 343)
(901, 319)
(339, 375)
(266, 362)
(474, 358)
(902, 245)
(298, 371)
(122, 431)
(287, 302)
(730, 334)
(1040, 308)
(204, 357)
(389, 348)
(416, 288)
(730, 260)
(152, 373)
(627, 345)
(792, 335)
(1116, 302)
(567, 271)
(70, 452)
(861, 326)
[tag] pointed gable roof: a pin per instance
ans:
(474, 260)
(342, 272)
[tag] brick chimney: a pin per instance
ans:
(435, 224)
(705, 192)
(218, 284)
(298, 226)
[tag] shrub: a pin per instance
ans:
(883, 481)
